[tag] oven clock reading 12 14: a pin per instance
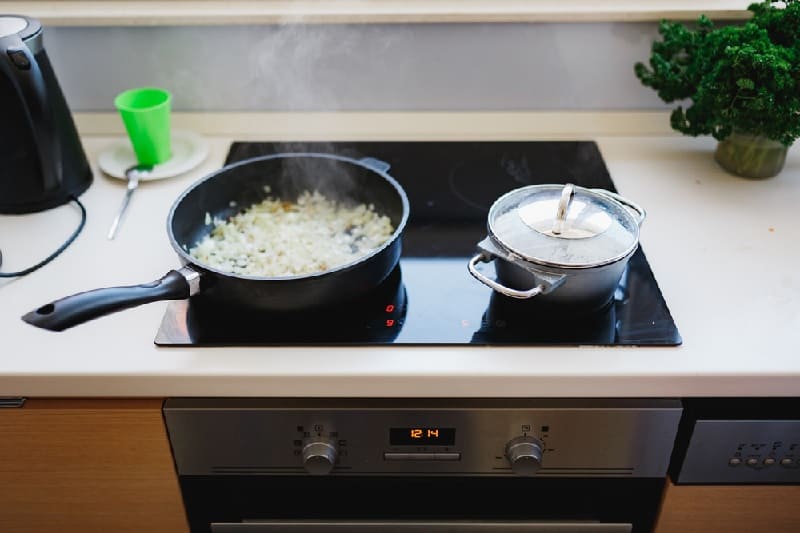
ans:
(422, 436)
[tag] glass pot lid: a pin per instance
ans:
(565, 226)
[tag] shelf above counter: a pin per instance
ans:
(213, 12)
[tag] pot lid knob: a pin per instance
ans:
(567, 194)
(565, 218)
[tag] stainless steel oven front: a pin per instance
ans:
(421, 465)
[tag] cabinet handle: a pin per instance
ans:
(12, 402)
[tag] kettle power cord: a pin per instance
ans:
(55, 254)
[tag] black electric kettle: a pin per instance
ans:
(42, 162)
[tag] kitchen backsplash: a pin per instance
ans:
(371, 67)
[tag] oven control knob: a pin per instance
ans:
(319, 456)
(525, 455)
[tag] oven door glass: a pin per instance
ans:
(503, 504)
(309, 526)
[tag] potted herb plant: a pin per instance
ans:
(741, 84)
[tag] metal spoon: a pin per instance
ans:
(132, 174)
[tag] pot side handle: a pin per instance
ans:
(502, 289)
(374, 164)
(632, 206)
(85, 306)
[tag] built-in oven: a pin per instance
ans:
(413, 465)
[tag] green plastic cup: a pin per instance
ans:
(145, 112)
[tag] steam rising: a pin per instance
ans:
(333, 179)
(298, 63)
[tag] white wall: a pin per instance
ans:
(360, 67)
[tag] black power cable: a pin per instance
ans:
(55, 254)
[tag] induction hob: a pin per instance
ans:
(430, 298)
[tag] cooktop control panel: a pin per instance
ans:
(743, 451)
(224, 436)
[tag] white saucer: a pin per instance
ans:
(188, 150)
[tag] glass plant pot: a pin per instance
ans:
(751, 156)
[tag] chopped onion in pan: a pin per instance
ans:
(276, 238)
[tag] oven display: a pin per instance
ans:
(422, 436)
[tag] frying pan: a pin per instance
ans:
(230, 190)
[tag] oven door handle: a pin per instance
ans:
(390, 526)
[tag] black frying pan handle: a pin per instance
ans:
(85, 306)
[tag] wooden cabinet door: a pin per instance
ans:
(87, 466)
(730, 509)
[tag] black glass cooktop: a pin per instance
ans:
(430, 298)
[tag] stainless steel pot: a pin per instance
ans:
(566, 245)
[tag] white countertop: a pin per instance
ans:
(725, 251)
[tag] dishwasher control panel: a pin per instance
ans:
(743, 451)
